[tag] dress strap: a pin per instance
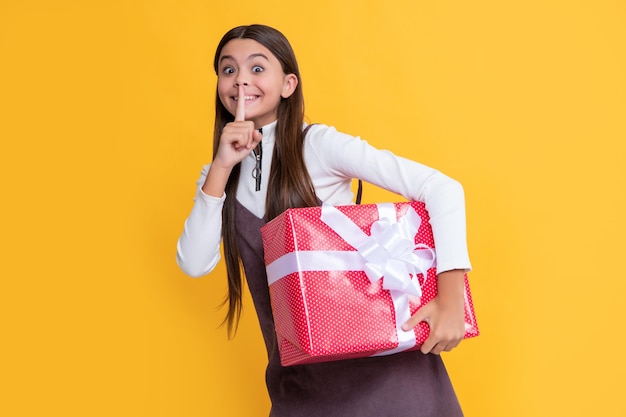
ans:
(359, 192)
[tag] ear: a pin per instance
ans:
(289, 85)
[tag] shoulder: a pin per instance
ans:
(317, 129)
(324, 142)
(336, 151)
(321, 135)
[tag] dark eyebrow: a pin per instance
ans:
(225, 57)
(257, 56)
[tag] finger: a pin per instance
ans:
(452, 345)
(240, 114)
(256, 138)
(437, 343)
(444, 347)
(429, 345)
(437, 349)
(419, 316)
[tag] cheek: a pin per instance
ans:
(272, 88)
(222, 93)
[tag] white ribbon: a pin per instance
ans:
(389, 251)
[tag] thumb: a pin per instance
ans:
(257, 136)
(420, 315)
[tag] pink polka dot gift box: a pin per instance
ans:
(343, 279)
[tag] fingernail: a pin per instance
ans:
(405, 327)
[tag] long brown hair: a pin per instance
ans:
(290, 185)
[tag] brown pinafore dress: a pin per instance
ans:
(408, 384)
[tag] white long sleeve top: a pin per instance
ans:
(333, 160)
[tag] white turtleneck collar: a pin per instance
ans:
(268, 132)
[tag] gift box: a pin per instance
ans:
(342, 280)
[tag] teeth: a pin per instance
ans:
(248, 98)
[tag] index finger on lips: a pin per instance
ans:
(240, 114)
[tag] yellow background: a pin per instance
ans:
(106, 120)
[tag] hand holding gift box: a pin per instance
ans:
(344, 279)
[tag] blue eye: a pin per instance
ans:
(257, 68)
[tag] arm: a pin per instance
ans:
(197, 251)
(198, 247)
(444, 199)
(334, 158)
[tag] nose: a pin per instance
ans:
(238, 83)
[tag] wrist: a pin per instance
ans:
(216, 179)
(451, 285)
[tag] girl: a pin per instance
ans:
(263, 163)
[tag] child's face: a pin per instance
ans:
(247, 62)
